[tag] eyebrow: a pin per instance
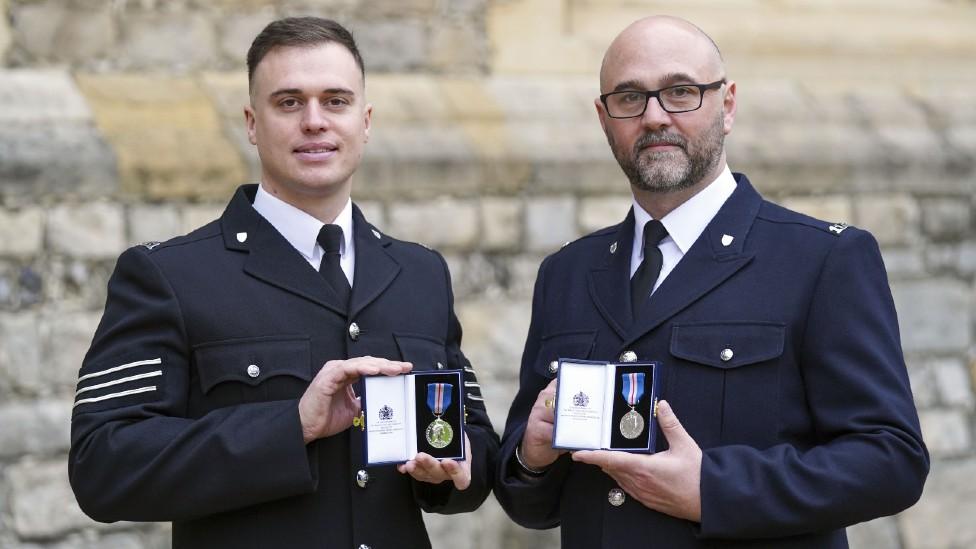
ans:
(298, 91)
(669, 79)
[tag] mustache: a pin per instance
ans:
(651, 139)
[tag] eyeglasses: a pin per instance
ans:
(673, 99)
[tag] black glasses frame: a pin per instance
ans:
(702, 88)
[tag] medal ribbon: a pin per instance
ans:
(633, 388)
(439, 397)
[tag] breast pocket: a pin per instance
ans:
(423, 351)
(563, 345)
(731, 373)
(252, 370)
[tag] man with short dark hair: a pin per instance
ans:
(776, 334)
(220, 391)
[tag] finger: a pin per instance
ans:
(675, 434)
(457, 473)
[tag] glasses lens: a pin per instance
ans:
(624, 104)
(681, 98)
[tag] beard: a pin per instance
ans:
(674, 170)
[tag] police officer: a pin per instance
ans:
(776, 333)
(219, 390)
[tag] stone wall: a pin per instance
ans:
(121, 122)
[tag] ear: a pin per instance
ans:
(367, 121)
(250, 122)
(601, 113)
(729, 106)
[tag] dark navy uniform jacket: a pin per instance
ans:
(807, 425)
(187, 404)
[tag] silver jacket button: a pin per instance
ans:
(440, 366)
(354, 331)
(616, 497)
(362, 478)
(553, 366)
(364, 546)
(253, 370)
(726, 355)
(628, 356)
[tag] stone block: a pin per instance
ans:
(21, 231)
(830, 208)
(943, 517)
(440, 223)
(20, 354)
(21, 284)
(59, 32)
(158, 222)
(935, 315)
(903, 263)
(893, 218)
(953, 381)
(457, 49)
(392, 45)
(4, 31)
(84, 164)
(42, 505)
(197, 216)
(36, 96)
(946, 218)
(37, 427)
(238, 29)
(167, 135)
(523, 270)
(946, 432)
(882, 532)
(597, 212)
(190, 39)
(66, 337)
(501, 223)
(550, 222)
(91, 230)
(475, 275)
(967, 259)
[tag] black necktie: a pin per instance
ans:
(330, 238)
(649, 269)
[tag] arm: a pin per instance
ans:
(447, 497)
(530, 500)
(869, 459)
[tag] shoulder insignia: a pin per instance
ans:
(838, 228)
(151, 244)
(613, 248)
(564, 245)
(376, 233)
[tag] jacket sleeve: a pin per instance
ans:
(444, 498)
(134, 453)
(868, 459)
(532, 502)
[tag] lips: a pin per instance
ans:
(313, 152)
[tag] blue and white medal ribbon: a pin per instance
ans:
(632, 424)
(439, 432)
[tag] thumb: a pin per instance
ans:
(675, 434)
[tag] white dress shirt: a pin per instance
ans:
(301, 230)
(684, 224)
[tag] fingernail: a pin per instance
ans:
(663, 407)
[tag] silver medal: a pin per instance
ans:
(631, 425)
(440, 434)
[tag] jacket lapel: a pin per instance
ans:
(713, 258)
(610, 280)
(270, 257)
(375, 267)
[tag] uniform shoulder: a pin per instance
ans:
(208, 231)
(586, 243)
(774, 213)
(400, 246)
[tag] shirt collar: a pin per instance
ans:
(298, 227)
(687, 222)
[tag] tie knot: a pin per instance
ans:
(330, 238)
(654, 233)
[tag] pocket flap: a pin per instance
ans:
(577, 345)
(728, 344)
(252, 360)
(424, 352)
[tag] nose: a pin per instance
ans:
(313, 119)
(655, 117)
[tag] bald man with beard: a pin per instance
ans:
(786, 410)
